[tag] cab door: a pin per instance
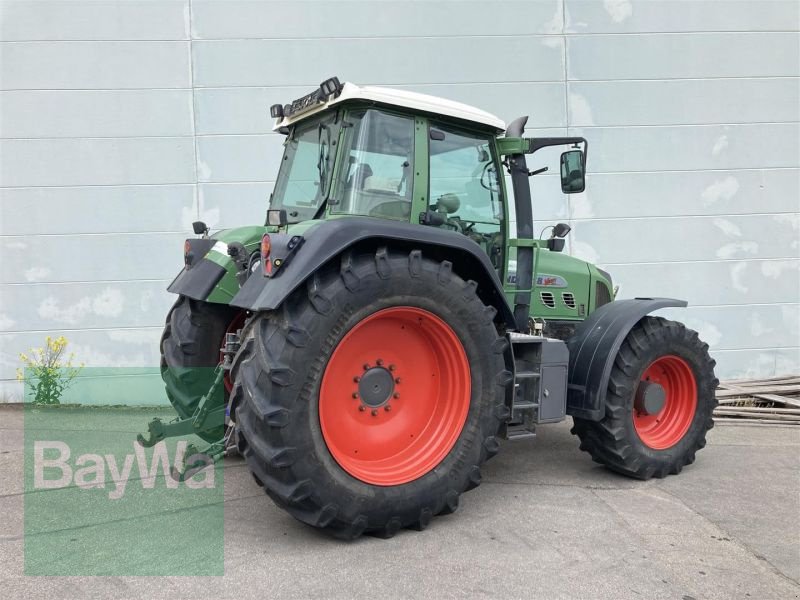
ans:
(463, 187)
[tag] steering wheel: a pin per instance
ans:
(468, 228)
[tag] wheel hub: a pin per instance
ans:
(650, 398)
(376, 387)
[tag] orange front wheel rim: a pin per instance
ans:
(665, 402)
(395, 396)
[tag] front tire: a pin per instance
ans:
(659, 402)
(368, 402)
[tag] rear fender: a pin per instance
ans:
(209, 273)
(328, 239)
(594, 347)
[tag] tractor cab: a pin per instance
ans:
(355, 151)
(395, 155)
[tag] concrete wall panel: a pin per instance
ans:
(766, 327)
(667, 56)
(686, 193)
(96, 113)
(239, 157)
(306, 62)
(693, 147)
(226, 19)
(225, 205)
(698, 239)
(135, 347)
(86, 258)
(48, 20)
(712, 283)
(96, 161)
(755, 364)
(684, 101)
(54, 307)
(655, 16)
(113, 209)
(94, 65)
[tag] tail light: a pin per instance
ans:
(266, 248)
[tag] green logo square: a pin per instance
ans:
(98, 503)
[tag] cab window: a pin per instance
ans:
(376, 179)
(465, 189)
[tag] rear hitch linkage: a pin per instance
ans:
(206, 417)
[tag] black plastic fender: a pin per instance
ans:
(328, 239)
(197, 282)
(593, 348)
(199, 275)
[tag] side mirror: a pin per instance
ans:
(573, 172)
(276, 217)
(561, 230)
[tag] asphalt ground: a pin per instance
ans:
(545, 523)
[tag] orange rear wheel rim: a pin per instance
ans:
(394, 396)
(235, 325)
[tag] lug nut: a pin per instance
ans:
(356, 379)
(362, 408)
(379, 362)
(392, 367)
(366, 366)
(374, 412)
(355, 395)
(387, 408)
(395, 395)
(397, 380)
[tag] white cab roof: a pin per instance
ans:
(412, 100)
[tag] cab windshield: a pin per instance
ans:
(305, 172)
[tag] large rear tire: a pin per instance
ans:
(190, 350)
(368, 402)
(659, 402)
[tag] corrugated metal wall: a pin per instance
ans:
(122, 122)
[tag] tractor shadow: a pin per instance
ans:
(552, 458)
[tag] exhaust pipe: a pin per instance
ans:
(524, 209)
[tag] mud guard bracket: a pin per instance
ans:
(594, 347)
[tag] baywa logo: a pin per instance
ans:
(53, 469)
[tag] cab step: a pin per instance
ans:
(519, 432)
(526, 375)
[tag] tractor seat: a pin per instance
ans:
(392, 209)
(448, 203)
(359, 176)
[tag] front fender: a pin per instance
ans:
(593, 348)
(328, 239)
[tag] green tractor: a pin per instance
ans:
(369, 345)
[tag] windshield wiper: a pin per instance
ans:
(322, 167)
(322, 162)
